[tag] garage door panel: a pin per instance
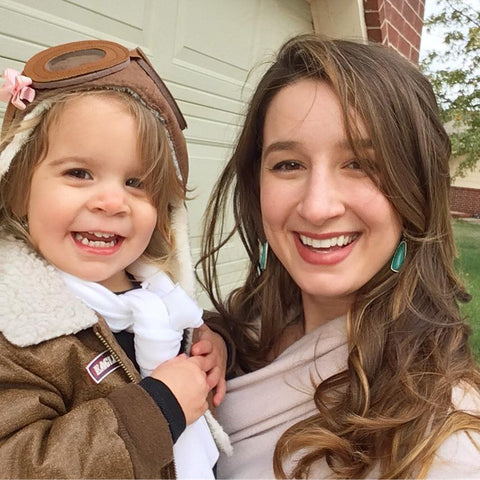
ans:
(91, 19)
(230, 274)
(209, 132)
(208, 36)
(206, 164)
(23, 51)
(36, 30)
(126, 11)
(209, 101)
(217, 42)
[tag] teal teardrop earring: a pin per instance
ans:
(399, 256)
(262, 262)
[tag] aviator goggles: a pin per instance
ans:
(94, 65)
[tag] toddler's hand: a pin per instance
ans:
(211, 346)
(186, 378)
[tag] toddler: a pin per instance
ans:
(95, 273)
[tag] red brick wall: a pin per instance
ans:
(465, 200)
(397, 23)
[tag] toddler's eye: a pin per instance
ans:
(134, 182)
(79, 173)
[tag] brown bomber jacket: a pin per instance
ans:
(55, 420)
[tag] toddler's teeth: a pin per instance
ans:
(96, 243)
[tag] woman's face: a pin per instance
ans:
(325, 219)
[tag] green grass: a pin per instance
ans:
(467, 236)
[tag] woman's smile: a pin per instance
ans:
(326, 251)
(326, 243)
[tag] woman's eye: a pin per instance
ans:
(287, 165)
(354, 165)
(79, 173)
(134, 182)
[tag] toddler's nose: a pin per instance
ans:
(110, 200)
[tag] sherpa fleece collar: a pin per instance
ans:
(35, 304)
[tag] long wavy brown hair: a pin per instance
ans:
(408, 344)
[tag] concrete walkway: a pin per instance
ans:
(476, 221)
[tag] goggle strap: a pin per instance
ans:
(143, 62)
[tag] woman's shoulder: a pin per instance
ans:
(466, 398)
(459, 455)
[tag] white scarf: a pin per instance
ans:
(157, 314)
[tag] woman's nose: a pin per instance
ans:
(110, 200)
(322, 198)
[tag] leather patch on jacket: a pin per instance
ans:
(102, 365)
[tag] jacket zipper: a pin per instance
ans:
(172, 468)
(115, 356)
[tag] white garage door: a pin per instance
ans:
(203, 49)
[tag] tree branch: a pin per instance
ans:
(463, 14)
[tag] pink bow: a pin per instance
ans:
(16, 89)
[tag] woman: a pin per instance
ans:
(352, 358)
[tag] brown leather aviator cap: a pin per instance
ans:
(98, 65)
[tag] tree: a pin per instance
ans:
(454, 70)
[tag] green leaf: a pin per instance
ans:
(454, 71)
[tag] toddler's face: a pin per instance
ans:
(88, 213)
